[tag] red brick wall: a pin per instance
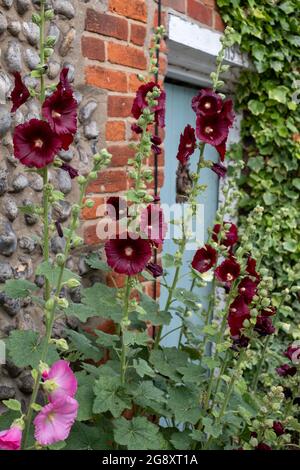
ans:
(115, 45)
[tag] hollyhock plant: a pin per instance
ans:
(73, 173)
(248, 289)
(156, 142)
(231, 234)
(140, 103)
(238, 312)
(59, 381)
(204, 259)
(35, 144)
(219, 169)
(155, 269)
(54, 422)
(20, 93)
(128, 255)
(187, 145)
(11, 438)
(228, 270)
(207, 103)
(152, 224)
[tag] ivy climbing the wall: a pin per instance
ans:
(269, 95)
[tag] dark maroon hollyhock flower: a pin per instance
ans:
(140, 103)
(219, 169)
(20, 93)
(228, 271)
(268, 312)
(187, 145)
(227, 112)
(248, 289)
(155, 269)
(251, 268)
(239, 341)
(263, 446)
(286, 370)
(60, 110)
(231, 235)
(293, 353)
(212, 130)
(238, 313)
(72, 171)
(207, 102)
(152, 223)
(35, 145)
(278, 428)
(59, 229)
(116, 207)
(264, 326)
(221, 149)
(64, 84)
(205, 258)
(135, 128)
(128, 256)
(156, 141)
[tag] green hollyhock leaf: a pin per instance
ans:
(85, 397)
(181, 440)
(137, 434)
(110, 396)
(25, 349)
(52, 273)
(183, 402)
(80, 311)
(103, 300)
(83, 437)
(256, 107)
(168, 361)
(94, 262)
(131, 338)
(84, 345)
(142, 368)
(151, 313)
(19, 288)
(291, 246)
(106, 340)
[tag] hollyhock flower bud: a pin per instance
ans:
(219, 169)
(59, 229)
(228, 271)
(140, 103)
(156, 141)
(231, 234)
(278, 428)
(286, 370)
(264, 326)
(61, 380)
(207, 103)
(187, 145)
(205, 258)
(152, 224)
(127, 255)
(20, 93)
(54, 422)
(10, 439)
(155, 269)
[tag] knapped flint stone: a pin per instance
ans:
(91, 130)
(3, 23)
(83, 267)
(30, 82)
(64, 181)
(62, 210)
(87, 111)
(24, 269)
(12, 56)
(8, 239)
(19, 117)
(36, 183)
(57, 244)
(54, 31)
(12, 370)
(22, 6)
(66, 155)
(78, 96)
(53, 69)
(19, 183)
(14, 27)
(32, 58)
(3, 181)
(27, 244)
(71, 72)
(39, 280)
(6, 272)
(67, 42)
(30, 219)
(31, 32)
(7, 3)
(5, 85)
(5, 121)
(25, 383)
(75, 294)
(10, 306)
(10, 209)
(7, 392)
(72, 322)
(64, 8)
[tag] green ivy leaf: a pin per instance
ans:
(279, 94)
(137, 433)
(256, 107)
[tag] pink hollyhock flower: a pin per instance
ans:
(238, 313)
(60, 108)
(264, 326)
(278, 428)
(128, 255)
(219, 169)
(155, 269)
(205, 258)
(286, 370)
(140, 103)
(248, 289)
(228, 271)
(20, 93)
(187, 145)
(35, 145)
(231, 235)
(60, 380)
(152, 224)
(207, 102)
(73, 173)
(293, 353)
(55, 420)
(11, 439)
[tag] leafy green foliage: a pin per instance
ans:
(137, 433)
(19, 288)
(25, 348)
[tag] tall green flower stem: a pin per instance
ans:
(192, 200)
(125, 321)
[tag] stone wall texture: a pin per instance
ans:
(104, 44)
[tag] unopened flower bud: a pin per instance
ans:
(93, 175)
(72, 283)
(81, 179)
(62, 303)
(60, 344)
(89, 203)
(49, 305)
(60, 259)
